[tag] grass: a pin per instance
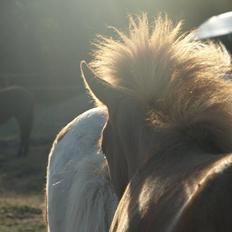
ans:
(22, 180)
(21, 213)
(22, 183)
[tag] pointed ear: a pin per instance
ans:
(99, 88)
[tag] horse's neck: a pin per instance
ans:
(150, 143)
(163, 188)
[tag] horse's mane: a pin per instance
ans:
(180, 81)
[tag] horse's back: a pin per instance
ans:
(79, 193)
(178, 196)
(210, 209)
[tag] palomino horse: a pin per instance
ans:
(79, 193)
(16, 102)
(169, 132)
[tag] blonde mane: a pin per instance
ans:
(179, 80)
(150, 57)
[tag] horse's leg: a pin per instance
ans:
(25, 125)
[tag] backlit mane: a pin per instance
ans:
(179, 80)
(147, 59)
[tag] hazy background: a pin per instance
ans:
(43, 41)
(41, 45)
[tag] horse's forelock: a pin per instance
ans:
(171, 74)
(148, 58)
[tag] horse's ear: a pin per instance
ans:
(99, 88)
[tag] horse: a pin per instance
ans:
(79, 194)
(168, 139)
(18, 103)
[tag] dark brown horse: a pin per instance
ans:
(169, 132)
(177, 194)
(16, 102)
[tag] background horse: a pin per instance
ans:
(18, 103)
(79, 193)
(170, 127)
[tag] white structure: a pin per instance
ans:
(215, 26)
(79, 193)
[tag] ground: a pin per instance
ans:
(22, 180)
(19, 213)
(22, 183)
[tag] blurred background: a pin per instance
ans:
(41, 45)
